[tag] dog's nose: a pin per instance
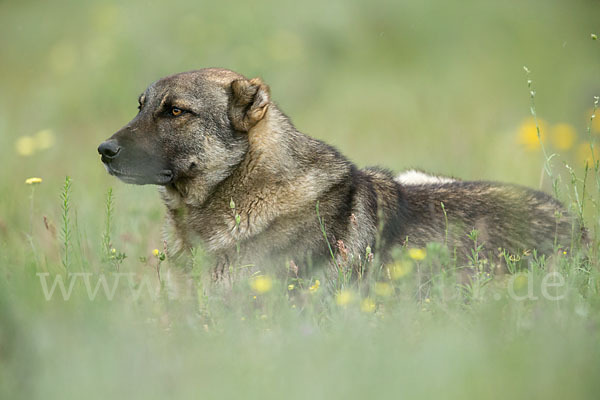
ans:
(109, 149)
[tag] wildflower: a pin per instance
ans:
(33, 181)
(528, 134)
(514, 257)
(343, 298)
(367, 305)
(113, 251)
(25, 146)
(595, 123)
(563, 136)
(521, 281)
(428, 300)
(314, 287)
(261, 284)
(417, 254)
(383, 289)
(584, 153)
(155, 252)
(400, 269)
(565, 252)
(291, 286)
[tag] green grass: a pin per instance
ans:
(402, 84)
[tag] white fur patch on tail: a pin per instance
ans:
(414, 177)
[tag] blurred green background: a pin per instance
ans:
(435, 85)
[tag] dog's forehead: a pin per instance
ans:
(193, 83)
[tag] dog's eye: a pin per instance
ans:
(176, 111)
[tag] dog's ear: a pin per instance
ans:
(249, 103)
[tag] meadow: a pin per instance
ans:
(481, 91)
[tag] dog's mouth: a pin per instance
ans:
(163, 177)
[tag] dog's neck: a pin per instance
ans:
(275, 168)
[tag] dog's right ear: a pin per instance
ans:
(249, 103)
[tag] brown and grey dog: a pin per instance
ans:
(239, 179)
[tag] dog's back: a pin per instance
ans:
(415, 209)
(506, 217)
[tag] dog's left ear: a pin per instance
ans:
(249, 103)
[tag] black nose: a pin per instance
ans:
(109, 149)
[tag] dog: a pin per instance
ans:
(239, 179)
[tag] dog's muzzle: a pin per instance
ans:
(109, 150)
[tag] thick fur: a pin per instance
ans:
(239, 179)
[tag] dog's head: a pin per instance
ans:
(189, 125)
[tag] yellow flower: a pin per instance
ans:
(367, 305)
(291, 287)
(527, 135)
(25, 146)
(155, 252)
(428, 300)
(383, 289)
(33, 181)
(417, 254)
(595, 121)
(400, 269)
(343, 298)
(521, 281)
(113, 251)
(314, 287)
(261, 284)
(563, 136)
(584, 154)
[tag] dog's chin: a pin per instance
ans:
(163, 177)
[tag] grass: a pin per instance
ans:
(89, 320)
(400, 84)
